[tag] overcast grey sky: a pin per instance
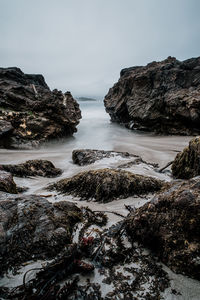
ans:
(81, 45)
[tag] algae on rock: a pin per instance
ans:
(170, 226)
(105, 185)
(37, 167)
(33, 228)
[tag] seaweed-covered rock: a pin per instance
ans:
(83, 157)
(104, 185)
(7, 183)
(170, 226)
(36, 167)
(30, 113)
(31, 227)
(187, 163)
(162, 96)
(120, 267)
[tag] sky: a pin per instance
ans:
(81, 45)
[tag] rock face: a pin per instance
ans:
(30, 113)
(83, 157)
(163, 97)
(187, 163)
(32, 227)
(170, 226)
(40, 167)
(7, 183)
(104, 185)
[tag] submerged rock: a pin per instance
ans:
(31, 227)
(187, 163)
(35, 167)
(83, 157)
(162, 96)
(7, 183)
(105, 185)
(170, 226)
(30, 113)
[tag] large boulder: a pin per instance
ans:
(104, 185)
(31, 227)
(162, 96)
(37, 167)
(30, 113)
(187, 163)
(7, 183)
(170, 226)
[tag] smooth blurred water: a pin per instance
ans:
(95, 131)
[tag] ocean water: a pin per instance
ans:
(95, 131)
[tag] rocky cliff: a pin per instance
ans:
(163, 97)
(30, 113)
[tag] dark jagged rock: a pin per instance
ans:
(125, 266)
(30, 113)
(187, 163)
(7, 183)
(36, 167)
(83, 157)
(163, 97)
(31, 227)
(170, 226)
(105, 185)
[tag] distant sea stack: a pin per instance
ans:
(30, 113)
(86, 99)
(162, 97)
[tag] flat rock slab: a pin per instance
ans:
(40, 167)
(32, 228)
(83, 157)
(170, 226)
(7, 183)
(104, 185)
